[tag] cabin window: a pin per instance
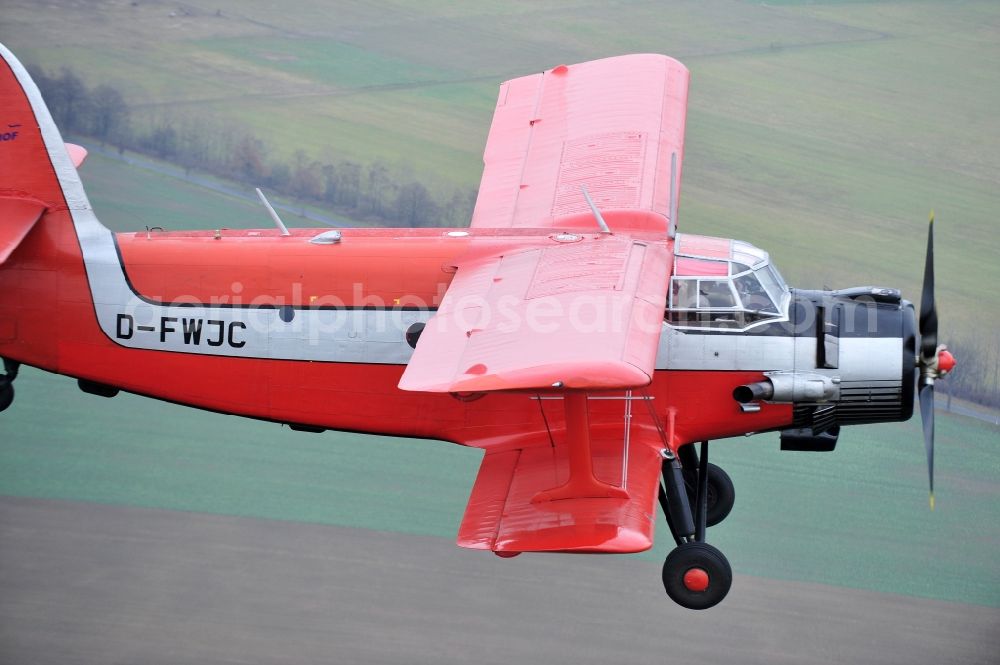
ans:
(715, 293)
(753, 295)
(727, 286)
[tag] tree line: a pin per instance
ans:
(375, 192)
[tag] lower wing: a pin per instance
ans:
(505, 515)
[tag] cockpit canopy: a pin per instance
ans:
(722, 283)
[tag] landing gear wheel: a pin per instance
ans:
(721, 495)
(697, 576)
(6, 393)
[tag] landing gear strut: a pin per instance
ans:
(695, 575)
(7, 383)
(721, 492)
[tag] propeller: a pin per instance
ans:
(935, 361)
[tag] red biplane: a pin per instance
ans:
(570, 332)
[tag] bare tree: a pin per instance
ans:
(414, 205)
(162, 141)
(69, 101)
(348, 184)
(248, 159)
(379, 184)
(109, 113)
(306, 177)
(329, 183)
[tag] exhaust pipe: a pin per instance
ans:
(789, 387)
(753, 392)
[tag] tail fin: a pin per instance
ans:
(38, 177)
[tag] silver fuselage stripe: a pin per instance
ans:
(861, 358)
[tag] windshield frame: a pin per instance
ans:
(740, 316)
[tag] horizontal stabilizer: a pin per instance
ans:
(501, 515)
(77, 153)
(17, 217)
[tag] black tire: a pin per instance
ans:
(693, 557)
(6, 394)
(721, 493)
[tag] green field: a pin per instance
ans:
(130, 198)
(857, 517)
(823, 132)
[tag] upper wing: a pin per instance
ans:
(585, 314)
(611, 125)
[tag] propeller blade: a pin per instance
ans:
(928, 310)
(927, 416)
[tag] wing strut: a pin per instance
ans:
(582, 483)
(672, 228)
(274, 216)
(595, 210)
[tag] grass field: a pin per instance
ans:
(130, 198)
(857, 517)
(822, 132)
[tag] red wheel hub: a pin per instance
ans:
(696, 579)
(506, 554)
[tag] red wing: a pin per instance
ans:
(501, 516)
(582, 315)
(611, 125)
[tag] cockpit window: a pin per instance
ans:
(684, 294)
(715, 293)
(690, 267)
(737, 267)
(754, 297)
(747, 254)
(772, 281)
(723, 284)
(701, 294)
